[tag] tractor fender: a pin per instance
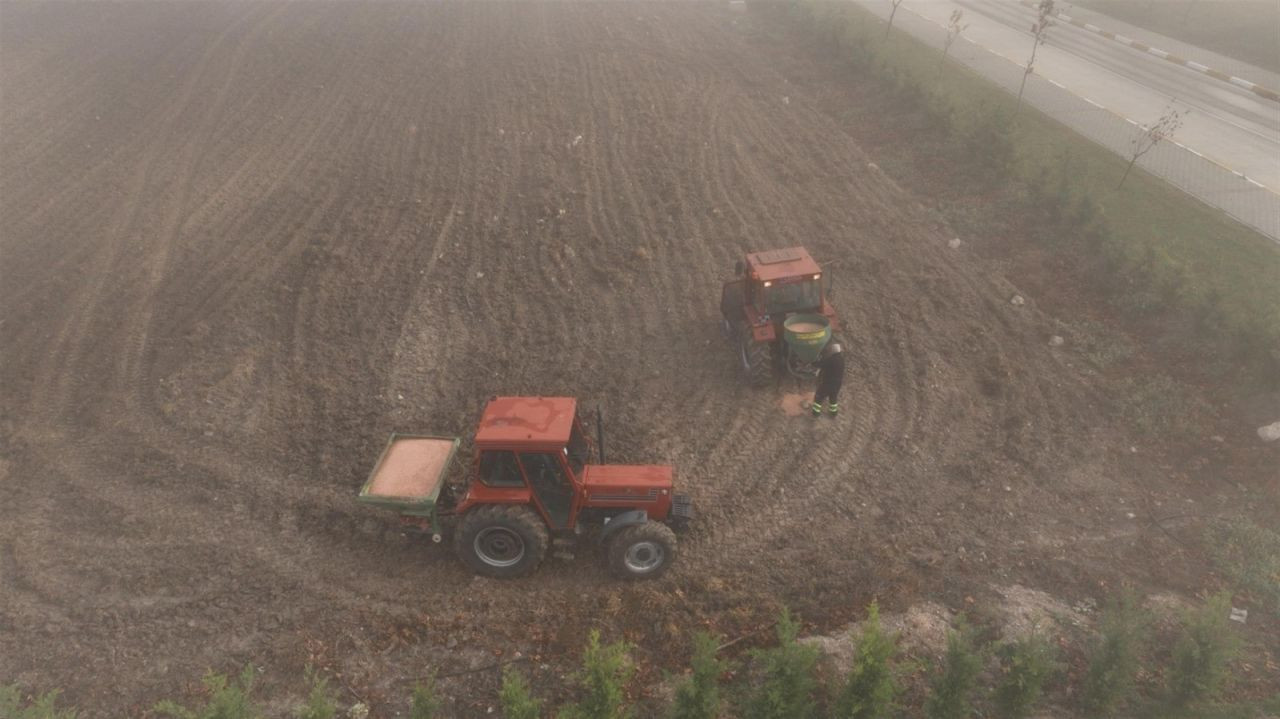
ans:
(626, 519)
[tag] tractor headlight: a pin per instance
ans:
(768, 284)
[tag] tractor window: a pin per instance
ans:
(577, 450)
(552, 488)
(793, 296)
(499, 469)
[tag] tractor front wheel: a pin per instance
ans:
(642, 551)
(502, 541)
(757, 360)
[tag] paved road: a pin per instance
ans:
(1229, 125)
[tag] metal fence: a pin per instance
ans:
(1233, 193)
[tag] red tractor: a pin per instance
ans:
(530, 480)
(777, 314)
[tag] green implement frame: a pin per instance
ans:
(408, 478)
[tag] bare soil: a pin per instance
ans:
(244, 242)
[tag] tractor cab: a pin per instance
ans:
(782, 281)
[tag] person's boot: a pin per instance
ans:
(833, 409)
(816, 409)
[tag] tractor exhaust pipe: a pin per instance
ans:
(600, 434)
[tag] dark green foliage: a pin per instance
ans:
(1200, 656)
(321, 704)
(603, 679)
(227, 700)
(1027, 663)
(426, 705)
(698, 697)
(871, 687)
(517, 703)
(951, 690)
(1114, 658)
(40, 707)
(787, 683)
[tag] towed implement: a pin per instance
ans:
(530, 481)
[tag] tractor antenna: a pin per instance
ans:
(600, 434)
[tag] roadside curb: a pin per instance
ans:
(1253, 87)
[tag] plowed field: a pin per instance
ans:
(243, 242)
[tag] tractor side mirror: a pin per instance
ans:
(738, 269)
(826, 282)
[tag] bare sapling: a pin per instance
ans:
(1039, 32)
(955, 26)
(894, 11)
(1150, 136)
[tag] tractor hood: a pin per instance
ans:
(619, 487)
(611, 479)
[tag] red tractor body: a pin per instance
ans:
(772, 287)
(530, 480)
(548, 439)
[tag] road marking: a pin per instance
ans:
(1259, 184)
(1158, 53)
(1197, 66)
(1091, 102)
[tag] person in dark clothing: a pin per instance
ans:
(830, 377)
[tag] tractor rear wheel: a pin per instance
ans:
(642, 551)
(502, 541)
(757, 361)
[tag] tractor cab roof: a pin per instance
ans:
(526, 421)
(781, 264)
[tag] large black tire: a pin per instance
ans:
(757, 361)
(501, 540)
(641, 551)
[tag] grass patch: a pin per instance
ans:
(1242, 29)
(1153, 248)
(1157, 404)
(1249, 556)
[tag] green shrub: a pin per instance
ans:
(1113, 658)
(787, 686)
(321, 704)
(871, 688)
(227, 700)
(425, 703)
(517, 703)
(1200, 656)
(698, 697)
(951, 689)
(1249, 555)
(603, 679)
(41, 707)
(1027, 663)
